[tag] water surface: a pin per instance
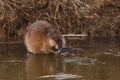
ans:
(93, 59)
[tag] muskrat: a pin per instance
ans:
(43, 38)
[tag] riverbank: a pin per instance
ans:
(94, 18)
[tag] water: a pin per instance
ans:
(91, 59)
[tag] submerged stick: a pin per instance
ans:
(68, 49)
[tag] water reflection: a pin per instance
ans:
(12, 62)
(97, 59)
(94, 46)
(37, 66)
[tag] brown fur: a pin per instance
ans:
(42, 37)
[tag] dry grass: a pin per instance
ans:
(96, 17)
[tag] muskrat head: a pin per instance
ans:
(56, 39)
(59, 45)
(55, 46)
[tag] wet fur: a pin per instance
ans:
(42, 37)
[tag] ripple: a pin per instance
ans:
(61, 76)
(81, 60)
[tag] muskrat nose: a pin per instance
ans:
(55, 49)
